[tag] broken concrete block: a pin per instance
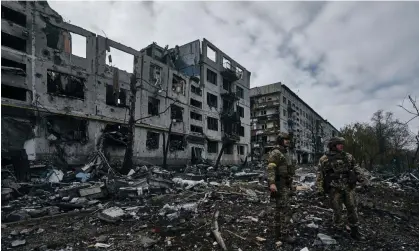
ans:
(146, 241)
(17, 216)
(325, 240)
(38, 213)
(132, 192)
(18, 243)
(94, 192)
(55, 176)
(112, 214)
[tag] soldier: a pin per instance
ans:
(337, 175)
(280, 173)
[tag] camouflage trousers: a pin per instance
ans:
(339, 196)
(283, 211)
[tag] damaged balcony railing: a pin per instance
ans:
(229, 95)
(230, 116)
(230, 72)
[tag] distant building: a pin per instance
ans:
(275, 108)
(57, 105)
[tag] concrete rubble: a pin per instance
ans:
(174, 210)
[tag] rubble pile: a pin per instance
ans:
(198, 209)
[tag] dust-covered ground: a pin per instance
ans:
(389, 219)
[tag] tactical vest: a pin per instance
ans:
(338, 172)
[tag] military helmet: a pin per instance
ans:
(282, 136)
(335, 140)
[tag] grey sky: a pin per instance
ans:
(345, 59)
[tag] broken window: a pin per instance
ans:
(263, 112)
(196, 103)
(212, 100)
(53, 35)
(211, 53)
(176, 142)
(13, 42)
(227, 105)
(118, 99)
(226, 63)
(153, 106)
(10, 65)
(212, 123)
(263, 127)
(155, 75)
(77, 45)
(239, 72)
(228, 149)
(196, 116)
(196, 129)
(13, 16)
(240, 150)
(227, 85)
(176, 113)
(284, 112)
(120, 59)
(178, 84)
(241, 131)
(12, 92)
(240, 110)
(239, 92)
(65, 84)
(116, 134)
(196, 90)
(212, 146)
(152, 142)
(211, 77)
(66, 129)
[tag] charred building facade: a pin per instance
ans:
(275, 108)
(61, 105)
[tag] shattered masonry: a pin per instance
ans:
(57, 105)
(276, 108)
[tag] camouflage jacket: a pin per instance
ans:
(279, 165)
(337, 163)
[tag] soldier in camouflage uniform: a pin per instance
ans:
(337, 175)
(280, 173)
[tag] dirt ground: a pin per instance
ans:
(388, 218)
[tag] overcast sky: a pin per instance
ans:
(345, 59)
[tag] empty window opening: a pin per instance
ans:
(67, 129)
(240, 110)
(115, 97)
(263, 127)
(239, 92)
(241, 131)
(153, 106)
(211, 77)
(212, 100)
(196, 116)
(13, 66)
(229, 149)
(178, 84)
(77, 45)
(13, 42)
(116, 134)
(152, 142)
(155, 75)
(13, 16)
(211, 54)
(176, 113)
(227, 63)
(227, 85)
(196, 129)
(212, 123)
(263, 112)
(196, 90)
(212, 146)
(176, 142)
(196, 103)
(284, 112)
(227, 105)
(120, 59)
(239, 72)
(53, 35)
(240, 150)
(12, 92)
(65, 84)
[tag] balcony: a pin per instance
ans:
(230, 116)
(264, 105)
(229, 95)
(229, 72)
(230, 137)
(290, 109)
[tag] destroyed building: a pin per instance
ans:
(275, 108)
(61, 106)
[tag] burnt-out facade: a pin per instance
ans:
(60, 104)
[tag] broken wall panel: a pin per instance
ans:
(60, 83)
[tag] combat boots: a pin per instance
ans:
(355, 234)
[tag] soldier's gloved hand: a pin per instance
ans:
(273, 189)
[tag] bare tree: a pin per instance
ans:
(414, 111)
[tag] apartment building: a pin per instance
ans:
(275, 108)
(59, 104)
